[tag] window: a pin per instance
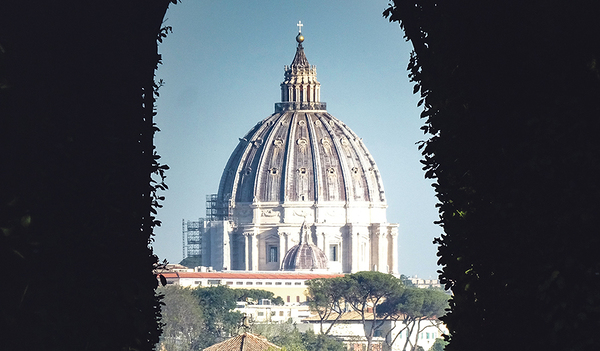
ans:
(333, 252)
(273, 254)
(239, 283)
(268, 283)
(198, 282)
(248, 283)
(261, 313)
(214, 282)
(229, 283)
(288, 283)
(297, 283)
(288, 299)
(297, 298)
(277, 283)
(281, 313)
(258, 283)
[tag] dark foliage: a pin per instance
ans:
(191, 262)
(291, 339)
(511, 91)
(254, 295)
(218, 304)
(77, 202)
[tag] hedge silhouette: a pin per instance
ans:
(510, 92)
(79, 175)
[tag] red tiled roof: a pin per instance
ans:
(244, 342)
(248, 275)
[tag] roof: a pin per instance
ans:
(244, 342)
(304, 256)
(301, 157)
(300, 59)
(249, 275)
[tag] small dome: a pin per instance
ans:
(304, 256)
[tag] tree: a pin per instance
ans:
(510, 99)
(191, 262)
(411, 307)
(257, 294)
(325, 296)
(287, 336)
(218, 304)
(438, 345)
(365, 293)
(183, 320)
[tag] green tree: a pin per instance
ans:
(287, 336)
(191, 262)
(257, 294)
(365, 293)
(183, 320)
(218, 304)
(412, 307)
(509, 91)
(325, 296)
(438, 345)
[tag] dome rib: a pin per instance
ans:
(316, 164)
(288, 152)
(348, 194)
(261, 182)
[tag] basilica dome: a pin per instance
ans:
(301, 153)
(300, 170)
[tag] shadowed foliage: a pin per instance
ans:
(510, 94)
(77, 199)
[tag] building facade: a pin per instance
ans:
(300, 192)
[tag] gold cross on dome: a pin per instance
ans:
(300, 26)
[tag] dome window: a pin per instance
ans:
(302, 142)
(273, 171)
(302, 170)
(331, 170)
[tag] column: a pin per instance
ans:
(354, 257)
(255, 240)
(393, 242)
(246, 251)
(282, 247)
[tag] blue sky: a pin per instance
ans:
(222, 67)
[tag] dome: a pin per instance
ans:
(301, 152)
(300, 170)
(304, 256)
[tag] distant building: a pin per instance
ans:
(263, 312)
(300, 192)
(350, 330)
(421, 283)
(291, 287)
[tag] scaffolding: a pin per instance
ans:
(192, 237)
(216, 211)
(192, 231)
